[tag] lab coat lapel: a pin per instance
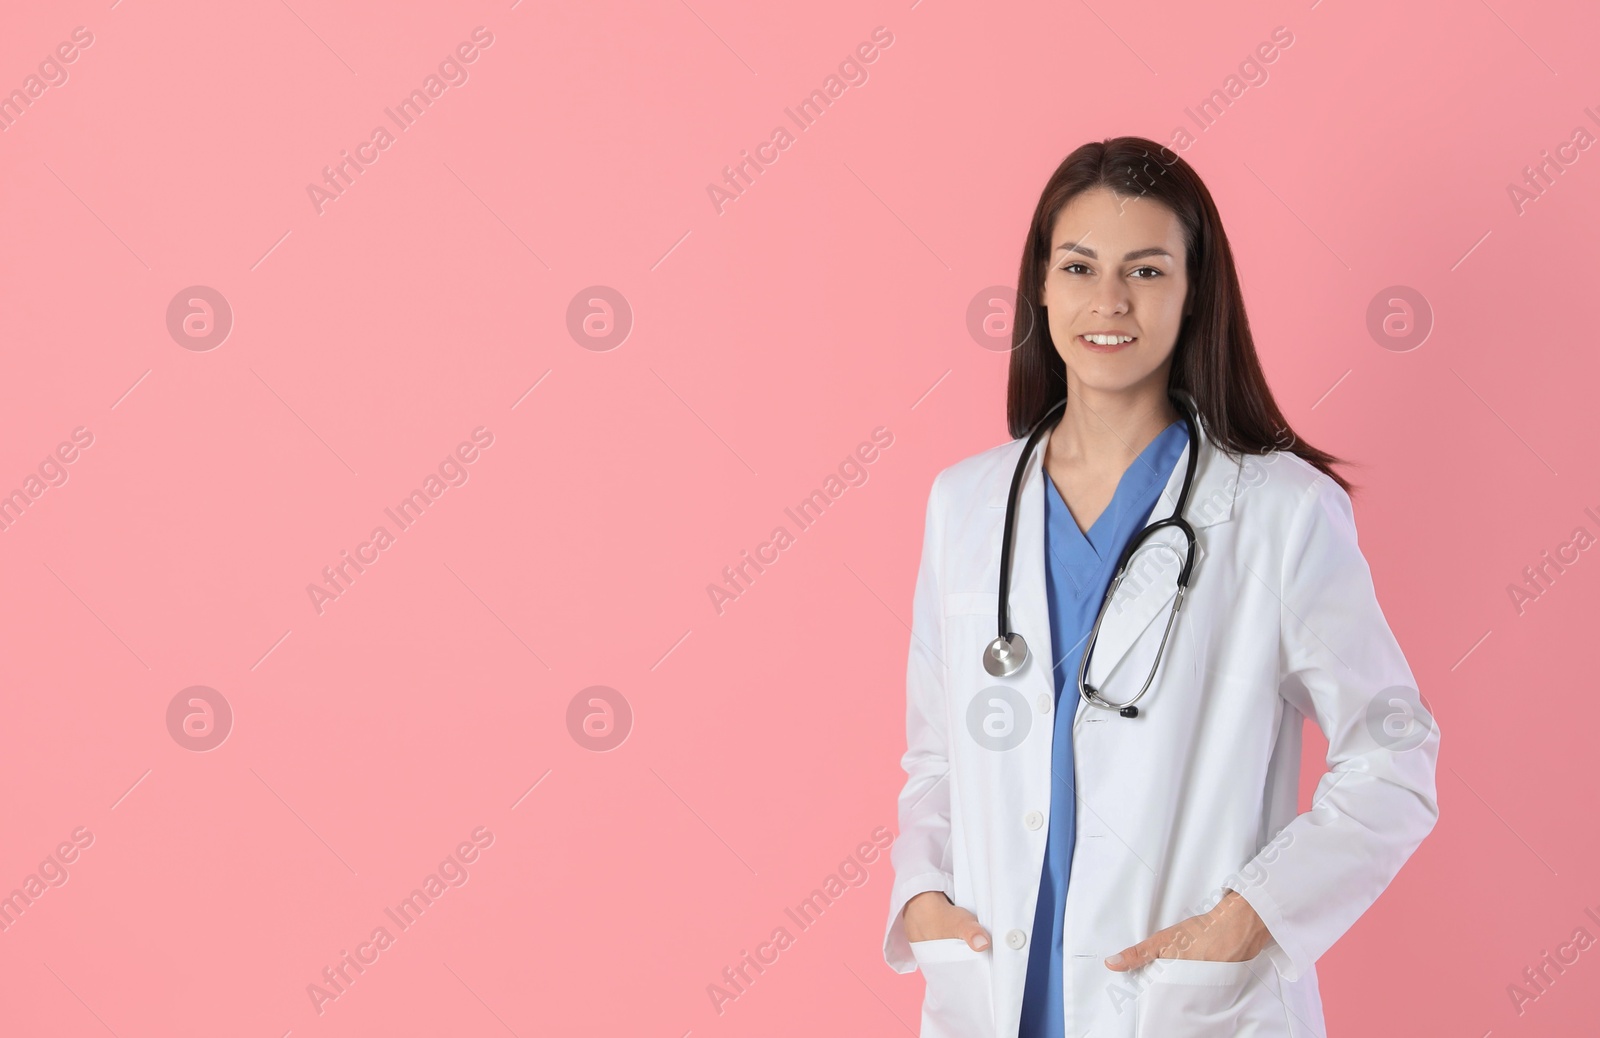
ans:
(1146, 593)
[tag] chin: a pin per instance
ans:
(1110, 378)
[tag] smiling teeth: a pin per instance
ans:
(1109, 340)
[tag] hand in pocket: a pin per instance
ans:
(931, 916)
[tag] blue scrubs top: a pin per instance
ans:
(1078, 570)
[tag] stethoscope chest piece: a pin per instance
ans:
(1005, 656)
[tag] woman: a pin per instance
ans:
(1137, 856)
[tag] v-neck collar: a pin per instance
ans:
(1079, 552)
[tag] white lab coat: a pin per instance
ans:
(1196, 795)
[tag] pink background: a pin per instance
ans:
(766, 342)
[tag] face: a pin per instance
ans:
(1117, 266)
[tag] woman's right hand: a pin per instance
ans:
(931, 916)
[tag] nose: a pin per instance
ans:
(1110, 297)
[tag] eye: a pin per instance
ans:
(1069, 267)
(1154, 270)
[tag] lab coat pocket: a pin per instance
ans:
(957, 1002)
(1191, 998)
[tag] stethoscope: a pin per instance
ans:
(1006, 654)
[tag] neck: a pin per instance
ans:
(1107, 430)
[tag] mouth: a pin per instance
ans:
(1107, 343)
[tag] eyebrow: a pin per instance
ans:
(1073, 246)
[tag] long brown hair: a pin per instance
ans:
(1215, 357)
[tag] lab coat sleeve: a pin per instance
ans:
(1341, 665)
(920, 856)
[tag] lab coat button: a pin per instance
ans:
(1046, 701)
(1016, 939)
(1033, 819)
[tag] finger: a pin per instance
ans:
(969, 929)
(1132, 957)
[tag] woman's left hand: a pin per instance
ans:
(1230, 932)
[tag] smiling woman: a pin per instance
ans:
(1147, 445)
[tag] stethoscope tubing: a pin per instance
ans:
(1008, 652)
(1042, 426)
